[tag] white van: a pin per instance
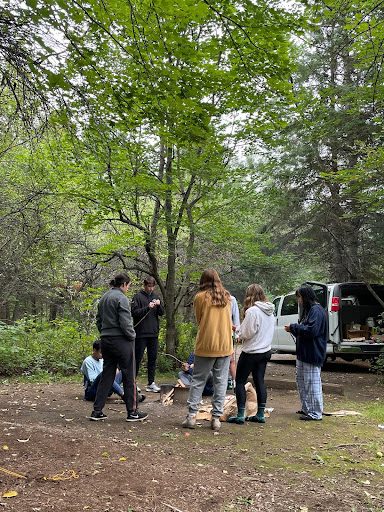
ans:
(355, 319)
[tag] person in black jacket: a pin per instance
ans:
(146, 309)
(311, 348)
(114, 322)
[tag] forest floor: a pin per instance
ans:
(72, 464)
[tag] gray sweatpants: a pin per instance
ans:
(202, 366)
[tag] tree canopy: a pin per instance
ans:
(163, 138)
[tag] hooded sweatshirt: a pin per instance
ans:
(256, 330)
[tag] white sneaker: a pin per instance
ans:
(154, 388)
(215, 423)
(138, 389)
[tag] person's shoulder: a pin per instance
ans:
(87, 359)
(200, 297)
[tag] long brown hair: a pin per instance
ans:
(253, 293)
(210, 282)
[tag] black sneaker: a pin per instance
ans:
(97, 416)
(136, 416)
(141, 398)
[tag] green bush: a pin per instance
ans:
(378, 367)
(29, 347)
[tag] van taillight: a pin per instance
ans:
(335, 304)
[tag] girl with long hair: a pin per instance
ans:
(256, 332)
(311, 348)
(212, 306)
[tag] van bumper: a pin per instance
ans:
(359, 348)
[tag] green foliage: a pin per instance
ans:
(378, 367)
(186, 332)
(29, 347)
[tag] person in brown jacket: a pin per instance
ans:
(213, 348)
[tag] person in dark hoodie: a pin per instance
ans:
(311, 349)
(146, 310)
(256, 332)
(114, 322)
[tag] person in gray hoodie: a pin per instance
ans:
(256, 332)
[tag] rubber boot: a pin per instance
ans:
(259, 417)
(239, 419)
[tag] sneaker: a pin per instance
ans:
(154, 388)
(305, 417)
(141, 398)
(190, 421)
(136, 416)
(97, 416)
(215, 423)
(138, 389)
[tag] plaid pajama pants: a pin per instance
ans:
(308, 380)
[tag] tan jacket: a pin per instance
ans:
(214, 337)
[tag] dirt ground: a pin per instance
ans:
(71, 464)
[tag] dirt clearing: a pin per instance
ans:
(72, 464)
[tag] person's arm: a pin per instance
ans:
(138, 309)
(98, 318)
(249, 326)
(125, 319)
(90, 370)
(160, 308)
(235, 313)
(312, 325)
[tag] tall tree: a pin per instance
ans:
(339, 96)
(158, 95)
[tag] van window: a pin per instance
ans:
(276, 302)
(289, 306)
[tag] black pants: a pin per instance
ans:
(255, 364)
(117, 351)
(151, 344)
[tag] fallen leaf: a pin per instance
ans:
(24, 440)
(105, 454)
(122, 459)
(10, 494)
(379, 454)
(5, 447)
(69, 419)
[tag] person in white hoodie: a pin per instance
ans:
(256, 332)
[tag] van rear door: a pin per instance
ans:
(288, 314)
(321, 292)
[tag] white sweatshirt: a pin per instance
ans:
(256, 330)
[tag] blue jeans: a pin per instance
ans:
(90, 390)
(186, 379)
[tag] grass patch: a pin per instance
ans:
(375, 411)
